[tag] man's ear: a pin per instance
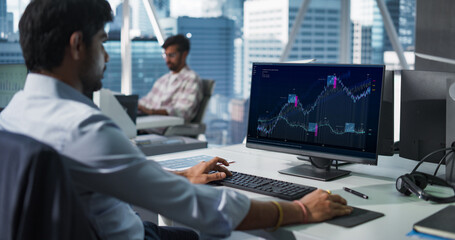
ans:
(77, 45)
(185, 54)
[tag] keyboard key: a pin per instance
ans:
(183, 163)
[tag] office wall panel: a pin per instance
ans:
(435, 34)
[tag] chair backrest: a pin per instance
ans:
(208, 85)
(37, 198)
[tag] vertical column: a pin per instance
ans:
(345, 31)
(151, 13)
(392, 33)
(295, 29)
(125, 47)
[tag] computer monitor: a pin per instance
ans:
(386, 122)
(423, 114)
(324, 111)
(12, 80)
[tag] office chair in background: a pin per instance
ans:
(196, 126)
(37, 197)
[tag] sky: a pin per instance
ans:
(196, 8)
(191, 8)
(17, 7)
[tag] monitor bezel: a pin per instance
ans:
(351, 158)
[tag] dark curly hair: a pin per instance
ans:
(46, 27)
(180, 40)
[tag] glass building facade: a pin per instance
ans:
(147, 65)
(212, 48)
(225, 45)
(268, 24)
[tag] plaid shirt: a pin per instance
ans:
(180, 94)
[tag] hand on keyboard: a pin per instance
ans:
(202, 173)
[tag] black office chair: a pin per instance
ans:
(196, 126)
(37, 199)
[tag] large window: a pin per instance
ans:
(228, 35)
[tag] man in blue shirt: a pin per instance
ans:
(62, 43)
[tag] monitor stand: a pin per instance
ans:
(319, 170)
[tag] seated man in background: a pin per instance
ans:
(178, 92)
(62, 43)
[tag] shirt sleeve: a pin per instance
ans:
(112, 165)
(154, 93)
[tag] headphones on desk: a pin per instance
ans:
(415, 182)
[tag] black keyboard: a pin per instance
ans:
(266, 186)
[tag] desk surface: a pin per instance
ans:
(157, 121)
(378, 182)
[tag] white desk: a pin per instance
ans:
(378, 182)
(157, 121)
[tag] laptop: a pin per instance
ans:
(129, 103)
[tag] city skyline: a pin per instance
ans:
(249, 40)
(193, 8)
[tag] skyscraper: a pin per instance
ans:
(147, 65)
(10, 52)
(402, 13)
(141, 21)
(394, 10)
(406, 30)
(163, 8)
(140, 24)
(116, 25)
(361, 43)
(212, 48)
(267, 24)
(3, 19)
(233, 9)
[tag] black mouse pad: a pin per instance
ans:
(358, 216)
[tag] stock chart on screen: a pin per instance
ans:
(320, 105)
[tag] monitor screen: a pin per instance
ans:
(324, 111)
(12, 80)
(423, 114)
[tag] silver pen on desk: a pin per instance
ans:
(355, 192)
(221, 164)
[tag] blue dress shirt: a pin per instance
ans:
(109, 171)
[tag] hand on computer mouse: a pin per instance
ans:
(322, 205)
(200, 173)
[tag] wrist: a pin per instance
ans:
(280, 218)
(303, 209)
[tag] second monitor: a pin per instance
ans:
(423, 124)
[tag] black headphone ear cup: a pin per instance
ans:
(420, 180)
(401, 186)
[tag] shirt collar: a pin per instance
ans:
(184, 69)
(39, 84)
